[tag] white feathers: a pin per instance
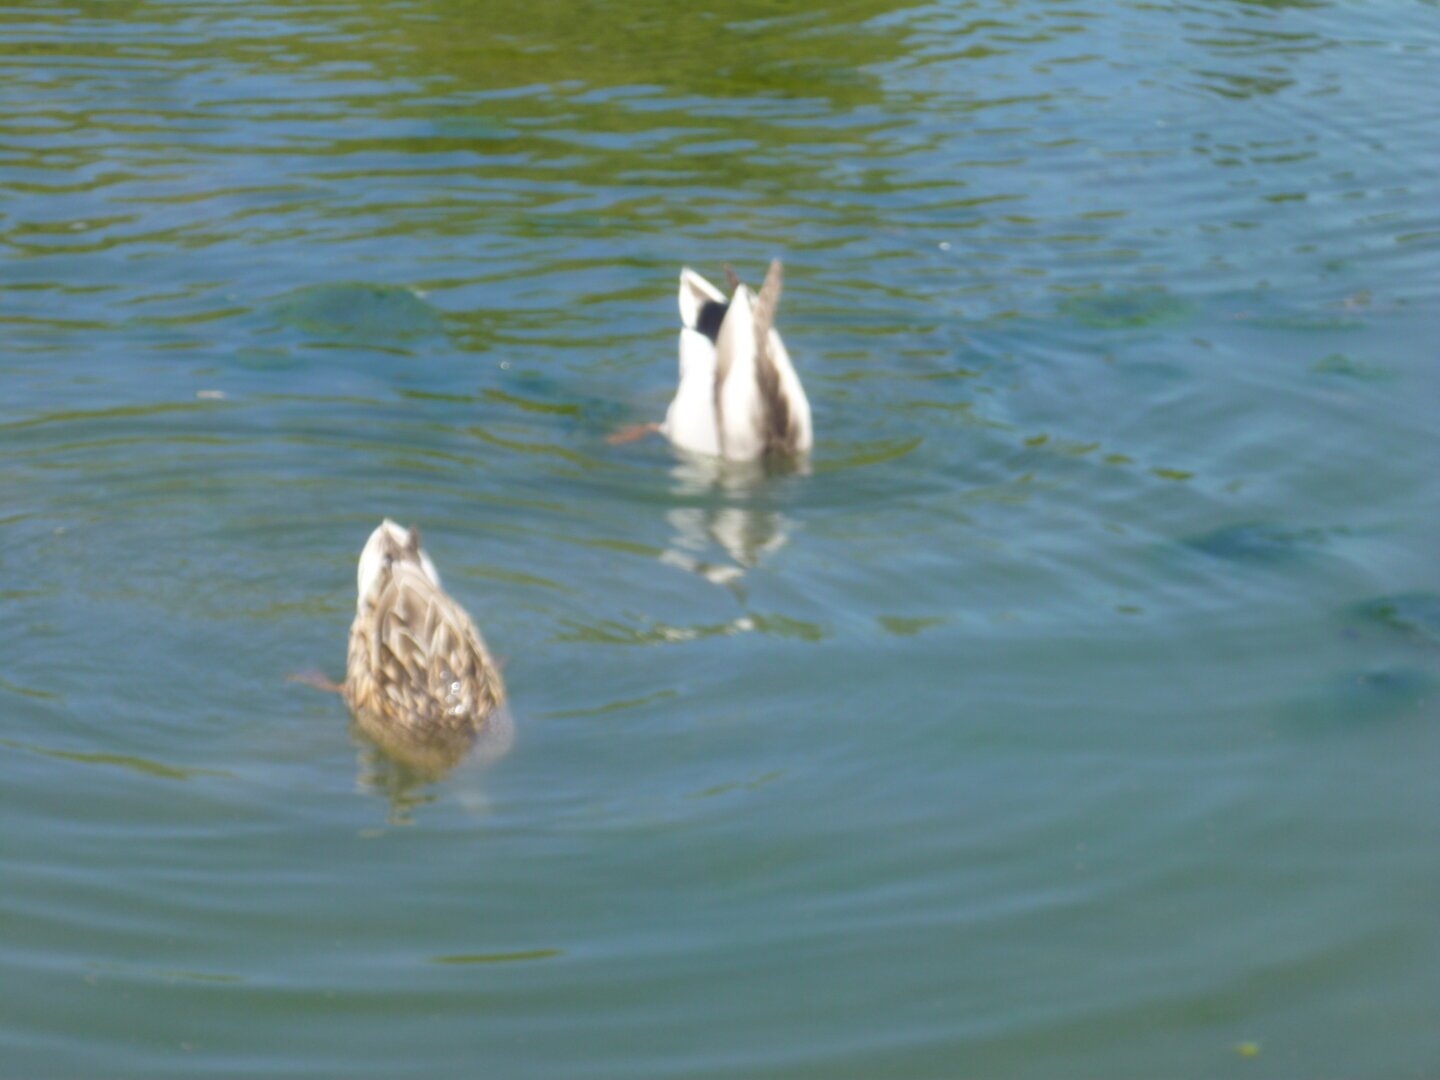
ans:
(739, 396)
(387, 536)
(690, 420)
(695, 291)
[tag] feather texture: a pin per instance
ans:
(418, 677)
(739, 396)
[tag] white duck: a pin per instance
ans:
(739, 397)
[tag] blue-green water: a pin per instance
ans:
(1076, 716)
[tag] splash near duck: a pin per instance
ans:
(419, 680)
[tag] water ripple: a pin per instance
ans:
(1071, 713)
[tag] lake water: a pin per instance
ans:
(1075, 715)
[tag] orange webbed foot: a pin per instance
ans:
(630, 434)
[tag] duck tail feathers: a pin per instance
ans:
(778, 424)
(695, 294)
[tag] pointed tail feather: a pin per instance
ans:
(779, 438)
(768, 300)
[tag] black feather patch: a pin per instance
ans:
(711, 316)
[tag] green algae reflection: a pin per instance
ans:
(1127, 310)
(359, 312)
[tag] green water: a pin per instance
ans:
(1075, 716)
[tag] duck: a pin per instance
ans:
(739, 397)
(419, 680)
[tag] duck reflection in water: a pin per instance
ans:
(727, 507)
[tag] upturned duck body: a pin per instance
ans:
(739, 397)
(418, 677)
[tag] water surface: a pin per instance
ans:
(1075, 716)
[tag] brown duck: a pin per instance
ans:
(418, 677)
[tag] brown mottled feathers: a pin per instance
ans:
(417, 665)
